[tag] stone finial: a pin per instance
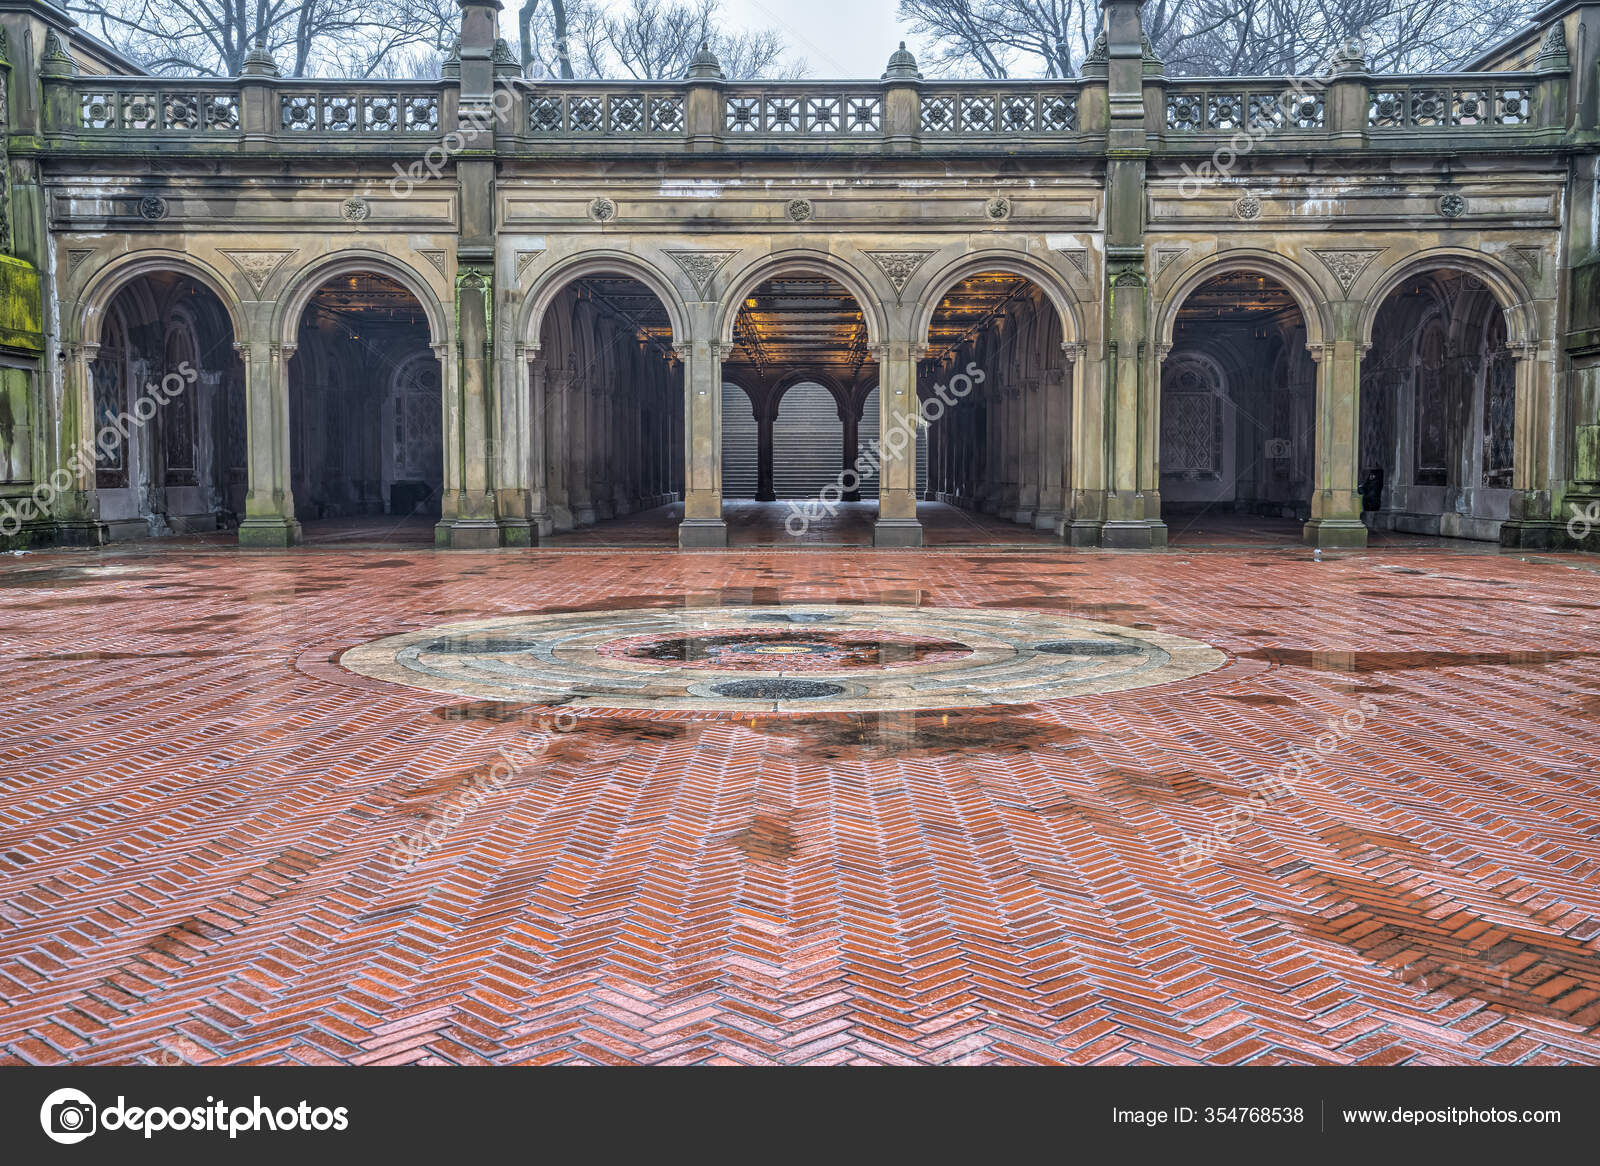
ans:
(450, 67)
(56, 61)
(1553, 53)
(902, 66)
(705, 66)
(258, 62)
(505, 61)
(1097, 63)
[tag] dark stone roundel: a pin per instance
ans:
(777, 689)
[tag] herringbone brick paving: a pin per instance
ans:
(197, 809)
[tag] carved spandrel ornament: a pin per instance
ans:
(898, 266)
(1346, 266)
(701, 267)
(258, 266)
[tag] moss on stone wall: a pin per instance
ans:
(21, 306)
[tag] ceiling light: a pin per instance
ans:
(752, 303)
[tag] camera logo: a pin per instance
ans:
(68, 1116)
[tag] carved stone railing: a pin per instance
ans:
(802, 109)
(98, 113)
(1355, 102)
(1226, 105)
(96, 107)
(983, 110)
(1476, 101)
(601, 109)
(140, 104)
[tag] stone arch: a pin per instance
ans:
(615, 263)
(102, 288)
(803, 261)
(1045, 277)
(839, 392)
(309, 279)
(1507, 288)
(1306, 291)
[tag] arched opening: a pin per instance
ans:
(798, 376)
(169, 412)
(366, 407)
(808, 442)
(1238, 411)
(1438, 410)
(999, 384)
(608, 399)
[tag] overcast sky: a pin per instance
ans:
(836, 38)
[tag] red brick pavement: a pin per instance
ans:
(196, 814)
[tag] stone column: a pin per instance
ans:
(538, 374)
(514, 460)
(558, 447)
(1535, 479)
(1335, 499)
(1132, 413)
(897, 524)
(765, 490)
(1053, 452)
(702, 524)
(269, 519)
(850, 426)
(1031, 414)
(468, 519)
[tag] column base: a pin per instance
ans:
(1024, 517)
(561, 518)
(69, 532)
(516, 532)
(467, 534)
(897, 532)
(1336, 533)
(1079, 532)
(543, 526)
(698, 533)
(583, 514)
(766, 496)
(268, 531)
(1134, 534)
(1531, 535)
(1048, 520)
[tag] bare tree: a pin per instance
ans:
(356, 38)
(1015, 38)
(646, 40)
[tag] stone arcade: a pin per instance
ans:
(529, 305)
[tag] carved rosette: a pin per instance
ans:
(997, 209)
(602, 210)
(355, 209)
(1248, 207)
(800, 210)
(1452, 205)
(153, 207)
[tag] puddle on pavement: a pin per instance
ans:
(833, 737)
(767, 839)
(192, 654)
(1512, 970)
(1337, 661)
(1260, 698)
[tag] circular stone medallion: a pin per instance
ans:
(821, 658)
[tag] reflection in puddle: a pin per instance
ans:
(1333, 661)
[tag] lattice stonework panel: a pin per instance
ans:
(1191, 434)
(298, 113)
(545, 116)
(666, 115)
(1499, 420)
(97, 111)
(339, 114)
